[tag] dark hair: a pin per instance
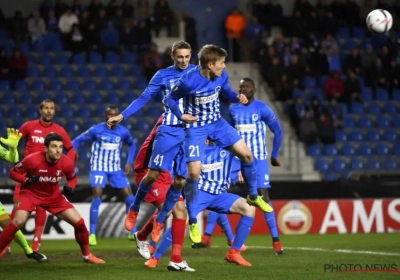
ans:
(180, 45)
(52, 137)
(112, 108)
(45, 101)
(250, 81)
(210, 53)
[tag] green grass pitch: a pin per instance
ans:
(300, 261)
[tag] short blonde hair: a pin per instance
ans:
(210, 53)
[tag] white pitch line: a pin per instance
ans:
(346, 251)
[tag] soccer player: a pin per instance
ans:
(39, 174)
(11, 155)
(105, 163)
(34, 133)
(213, 183)
(202, 87)
(251, 120)
(168, 144)
(155, 200)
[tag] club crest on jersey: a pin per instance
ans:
(217, 89)
(223, 153)
(19, 165)
(58, 172)
(254, 117)
(155, 192)
(117, 139)
(175, 89)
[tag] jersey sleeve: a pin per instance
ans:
(269, 118)
(24, 129)
(69, 172)
(226, 89)
(180, 90)
(17, 173)
(89, 134)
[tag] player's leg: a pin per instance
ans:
(40, 221)
(212, 218)
(144, 223)
(225, 136)
(64, 210)
(97, 180)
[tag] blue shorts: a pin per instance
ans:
(220, 132)
(168, 150)
(220, 203)
(117, 179)
(262, 172)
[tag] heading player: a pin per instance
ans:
(168, 144)
(11, 155)
(105, 163)
(39, 174)
(251, 120)
(202, 87)
(34, 133)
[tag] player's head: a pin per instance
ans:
(247, 87)
(212, 58)
(181, 54)
(111, 111)
(47, 110)
(53, 144)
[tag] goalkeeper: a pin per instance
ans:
(11, 155)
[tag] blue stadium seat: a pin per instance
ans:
(33, 72)
(45, 59)
(373, 135)
(67, 112)
(373, 164)
(364, 150)
(89, 85)
(128, 57)
(61, 59)
(84, 153)
(156, 111)
(359, 32)
(382, 149)
(95, 58)
(340, 136)
(344, 33)
(72, 85)
(356, 164)
(330, 176)
(84, 112)
(374, 108)
(32, 112)
(338, 165)
(364, 122)
(134, 71)
(348, 122)
(61, 98)
(5, 85)
(322, 165)
(78, 98)
(314, 150)
(330, 150)
(95, 98)
(88, 123)
(55, 85)
(366, 94)
(21, 85)
(124, 85)
(142, 125)
(390, 135)
(26, 98)
(112, 58)
(38, 85)
(298, 92)
(391, 164)
(141, 84)
(112, 98)
(389, 108)
(361, 81)
(84, 72)
(99, 111)
(42, 96)
(73, 125)
(396, 149)
(348, 150)
(118, 71)
(14, 114)
(50, 72)
(396, 94)
(8, 98)
(67, 72)
(396, 122)
(309, 82)
(107, 85)
(382, 122)
(382, 94)
(357, 108)
(318, 93)
(101, 72)
(79, 59)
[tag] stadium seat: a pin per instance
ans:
(322, 165)
(156, 111)
(391, 164)
(142, 125)
(314, 150)
(84, 72)
(32, 112)
(95, 58)
(8, 99)
(2, 114)
(340, 136)
(21, 85)
(99, 111)
(348, 150)
(382, 122)
(33, 72)
(141, 84)
(382, 94)
(79, 59)
(118, 71)
(61, 59)
(50, 72)
(389, 108)
(357, 108)
(356, 135)
(396, 94)
(366, 94)
(55, 85)
(359, 32)
(107, 85)
(84, 112)
(330, 176)
(112, 58)
(89, 85)
(373, 135)
(14, 114)
(364, 122)
(128, 57)
(343, 33)
(124, 85)
(309, 82)
(72, 125)
(390, 135)
(45, 59)
(396, 122)
(67, 72)
(112, 98)
(356, 164)
(61, 98)
(382, 149)
(95, 98)
(396, 149)
(26, 98)
(318, 93)
(348, 122)
(67, 112)
(5, 85)
(101, 72)
(338, 165)
(330, 150)
(374, 108)
(373, 164)
(364, 150)
(38, 85)
(72, 85)
(78, 98)
(42, 96)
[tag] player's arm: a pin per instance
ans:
(19, 171)
(24, 129)
(269, 118)
(68, 145)
(89, 134)
(72, 179)
(228, 92)
(131, 152)
(179, 91)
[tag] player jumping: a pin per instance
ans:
(250, 120)
(34, 132)
(11, 155)
(202, 87)
(105, 164)
(168, 144)
(39, 174)
(155, 200)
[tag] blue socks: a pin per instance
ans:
(165, 243)
(271, 223)
(170, 200)
(249, 173)
(94, 213)
(211, 220)
(223, 222)
(152, 243)
(140, 194)
(191, 189)
(242, 231)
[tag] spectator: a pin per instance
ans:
(119, 20)
(19, 30)
(274, 72)
(142, 10)
(66, 22)
(77, 7)
(142, 36)
(295, 72)
(94, 8)
(316, 107)
(190, 30)
(297, 25)
(283, 89)
(378, 75)
(336, 113)
(319, 63)
(101, 20)
(338, 10)
(126, 35)
(385, 57)
(18, 66)
(163, 17)
(84, 21)
(352, 89)
(2, 20)
(298, 111)
(275, 15)
(334, 87)
(166, 57)
(368, 58)
(254, 30)
(365, 9)
(36, 26)
(304, 7)
(4, 65)
(334, 60)
(152, 62)
(92, 37)
(235, 24)
(128, 9)
(112, 8)
(352, 12)
(52, 23)
(77, 40)
(394, 75)
(353, 62)
(326, 129)
(60, 8)
(287, 56)
(307, 129)
(110, 38)
(259, 11)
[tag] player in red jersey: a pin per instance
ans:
(154, 200)
(39, 174)
(34, 133)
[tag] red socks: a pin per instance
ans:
(7, 235)
(146, 230)
(40, 221)
(178, 235)
(82, 237)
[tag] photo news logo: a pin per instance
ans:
(356, 267)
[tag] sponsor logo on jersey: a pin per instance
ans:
(212, 166)
(207, 99)
(49, 179)
(37, 139)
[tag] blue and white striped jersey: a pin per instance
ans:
(201, 96)
(251, 121)
(215, 170)
(106, 146)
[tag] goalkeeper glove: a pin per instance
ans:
(13, 136)
(67, 190)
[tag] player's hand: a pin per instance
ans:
(67, 190)
(275, 162)
(127, 169)
(242, 99)
(186, 118)
(240, 178)
(114, 120)
(31, 180)
(13, 136)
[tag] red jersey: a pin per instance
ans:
(35, 131)
(49, 174)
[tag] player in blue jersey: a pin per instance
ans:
(201, 87)
(105, 164)
(168, 150)
(213, 183)
(251, 120)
